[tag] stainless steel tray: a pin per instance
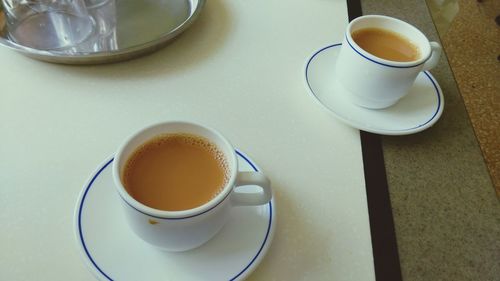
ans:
(123, 29)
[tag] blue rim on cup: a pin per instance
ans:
(161, 214)
(425, 53)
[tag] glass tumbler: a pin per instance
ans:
(47, 24)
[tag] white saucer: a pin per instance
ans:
(112, 251)
(417, 111)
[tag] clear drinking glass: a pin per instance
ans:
(103, 13)
(47, 24)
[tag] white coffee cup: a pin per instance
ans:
(373, 82)
(187, 229)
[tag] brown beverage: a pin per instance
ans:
(175, 172)
(386, 44)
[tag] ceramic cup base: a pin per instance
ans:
(363, 101)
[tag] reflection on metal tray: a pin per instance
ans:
(122, 29)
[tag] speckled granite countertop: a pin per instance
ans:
(446, 213)
(470, 33)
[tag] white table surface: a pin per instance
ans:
(239, 69)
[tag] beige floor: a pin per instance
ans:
(471, 39)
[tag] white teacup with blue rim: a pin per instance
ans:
(374, 82)
(187, 229)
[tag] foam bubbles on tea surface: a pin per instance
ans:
(209, 146)
(165, 167)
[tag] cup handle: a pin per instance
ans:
(256, 198)
(435, 55)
